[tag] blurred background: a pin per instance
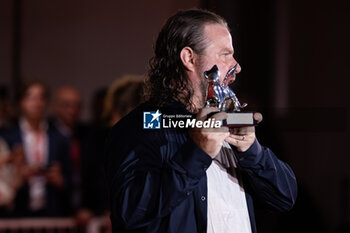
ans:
(294, 57)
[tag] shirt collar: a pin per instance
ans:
(24, 125)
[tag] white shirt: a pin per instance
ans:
(35, 143)
(36, 147)
(227, 206)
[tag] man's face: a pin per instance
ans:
(67, 106)
(218, 52)
(33, 104)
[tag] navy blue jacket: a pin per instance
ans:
(57, 199)
(157, 177)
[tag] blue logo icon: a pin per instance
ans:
(151, 120)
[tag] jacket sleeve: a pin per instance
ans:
(271, 181)
(149, 179)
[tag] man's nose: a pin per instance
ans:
(238, 69)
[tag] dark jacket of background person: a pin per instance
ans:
(157, 178)
(91, 185)
(86, 199)
(56, 199)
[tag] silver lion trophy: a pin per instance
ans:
(222, 97)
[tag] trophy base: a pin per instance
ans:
(239, 119)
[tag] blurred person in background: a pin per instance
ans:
(10, 179)
(44, 169)
(122, 97)
(85, 201)
(66, 109)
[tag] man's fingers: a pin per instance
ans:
(258, 117)
(242, 130)
(203, 113)
(233, 141)
(239, 137)
(241, 142)
(219, 116)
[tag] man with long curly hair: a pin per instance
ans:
(175, 179)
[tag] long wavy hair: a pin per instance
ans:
(167, 74)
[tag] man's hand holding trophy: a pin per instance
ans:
(222, 97)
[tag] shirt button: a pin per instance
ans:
(203, 198)
(188, 193)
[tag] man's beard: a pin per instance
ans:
(198, 102)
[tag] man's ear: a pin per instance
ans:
(187, 56)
